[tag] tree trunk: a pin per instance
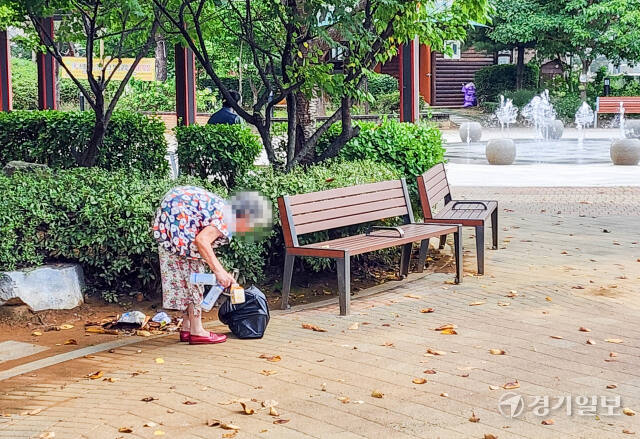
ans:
(586, 63)
(89, 156)
(520, 67)
(161, 57)
(304, 127)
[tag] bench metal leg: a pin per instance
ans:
(405, 259)
(443, 241)
(457, 244)
(344, 284)
(424, 251)
(286, 280)
(480, 248)
(494, 228)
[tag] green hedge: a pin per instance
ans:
(132, 141)
(219, 152)
(492, 80)
(102, 220)
(407, 147)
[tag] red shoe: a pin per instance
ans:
(184, 336)
(211, 339)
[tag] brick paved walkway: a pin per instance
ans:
(566, 271)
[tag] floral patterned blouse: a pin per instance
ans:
(183, 213)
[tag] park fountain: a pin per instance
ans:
(584, 118)
(540, 113)
(622, 132)
(506, 113)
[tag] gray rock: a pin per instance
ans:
(632, 129)
(625, 152)
(13, 166)
(470, 132)
(501, 151)
(555, 130)
(56, 286)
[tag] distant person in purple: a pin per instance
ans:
(469, 91)
(226, 115)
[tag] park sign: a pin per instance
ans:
(145, 70)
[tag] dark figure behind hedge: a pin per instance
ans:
(226, 115)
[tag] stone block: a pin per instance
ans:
(625, 152)
(13, 166)
(501, 151)
(470, 132)
(55, 286)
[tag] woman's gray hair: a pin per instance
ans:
(253, 206)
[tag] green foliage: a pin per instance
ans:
(149, 96)
(387, 103)
(409, 148)
(492, 80)
(381, 84)
(520, 98)
(220, 152)
(327, 175)
(24, 82)
(566, 105)
(132, 141)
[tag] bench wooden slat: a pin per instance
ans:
(346, 211)
(433, 171)
(352, 200)
(350, 220)
(434, 192)
(611, 104)
(294, 200)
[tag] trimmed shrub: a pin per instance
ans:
(219, 152)
(520, 97)
(409, 148)
(103, 219)
(379, 84)
(492, 80)
(132, 141)
(566, 106)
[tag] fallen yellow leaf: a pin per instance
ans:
(497, 352)
(447, 326)
(493, 387)
(268, 372)
(377, 394)
(583, 329)
(419, 381)
(612, 386)
(95, 375)
(125, 430)
(412, 296)
(591, 342)
(548, 299)
(36, 333)
(142, 333)
(434, 352)
(66, 326)
(271, 358)
(430, 372)
(229, 435)
(281, 421)
(246, 409)
(444, 394)
(273, 411)
(614, 340)
(427, 310)
(474, 418)
(626, 430)
(477, 303)
(512, 385)
(548, 422)
(490, 436)
(354, 326)
(449, 331)
(71, 341)
(344, 399)
(158, 433)
(627, 411)
(313, 327)
(160, 360)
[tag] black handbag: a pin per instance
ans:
(248, 319)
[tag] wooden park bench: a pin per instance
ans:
(433, 188)
(347, 206)
(611, 105)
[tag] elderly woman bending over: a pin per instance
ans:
(190, 223)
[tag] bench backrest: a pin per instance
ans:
(611, 104)
(346, 206)
(433, 187)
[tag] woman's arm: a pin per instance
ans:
(203, 242)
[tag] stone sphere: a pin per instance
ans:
(632, 128)
(501, 151)
(625, 152)
(555, 130)
(470, 132)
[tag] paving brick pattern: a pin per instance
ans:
(566, 271)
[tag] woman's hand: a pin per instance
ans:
(224, 278)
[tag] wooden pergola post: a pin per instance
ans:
(46, 70)
(185, 85)
(409, 81)
(6, 94)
